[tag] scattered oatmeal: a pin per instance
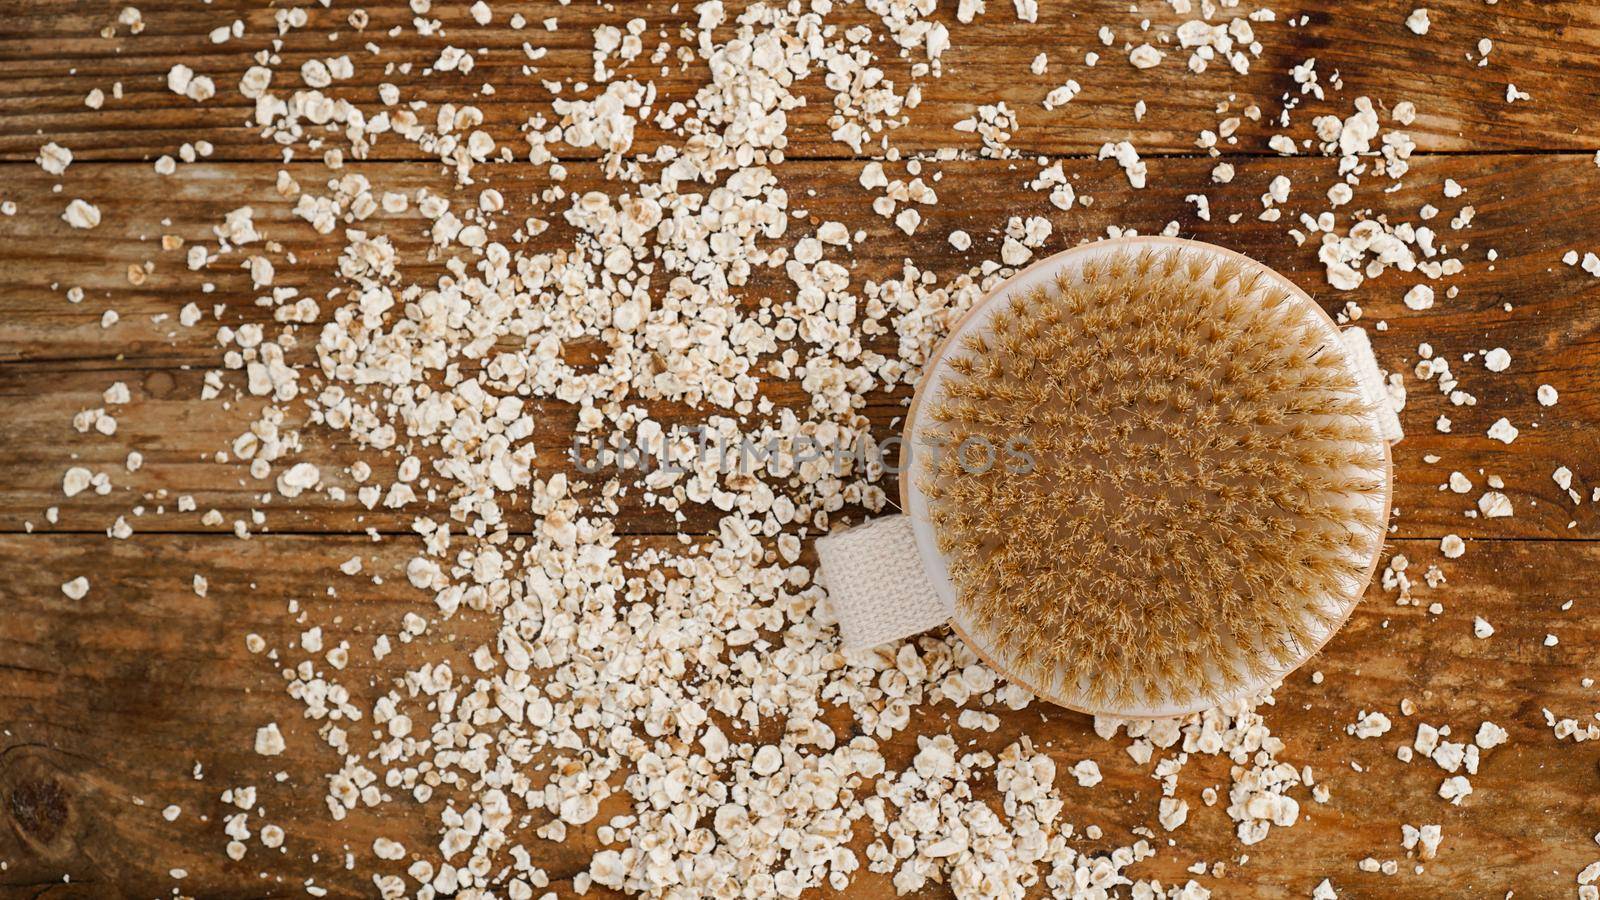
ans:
(1494, 505)
(1503, 431)
(1369, 725)
(1128, 157)
(1452, 546)
(269, 741)
(1424, 840)
(1087, 772)
(1588, 262)
(1455, 789)
(1144, 56)
(82, 214)
(1490, 736)
(54, 158)
(1420, 297)
(661, 666)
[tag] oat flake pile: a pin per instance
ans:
(683, 701)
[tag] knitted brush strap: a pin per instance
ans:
(1366, 363)
(879, 591)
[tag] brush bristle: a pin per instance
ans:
(1204, 490)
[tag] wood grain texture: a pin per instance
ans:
(57, 351)
(179, 437)
(109, 702)
(51, 56)
(1528, 214)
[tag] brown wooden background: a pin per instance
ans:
(107, 704)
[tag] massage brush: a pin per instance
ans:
(1143, 477)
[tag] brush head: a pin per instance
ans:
(1158, 480)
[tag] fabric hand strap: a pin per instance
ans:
(1366, 363)
(876, 584)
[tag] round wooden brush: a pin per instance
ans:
(1160, 483)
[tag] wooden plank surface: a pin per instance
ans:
(51, 56)
(178, 438)
(107, 704)
(114, 699)
(59, 351)
(1527, 213)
